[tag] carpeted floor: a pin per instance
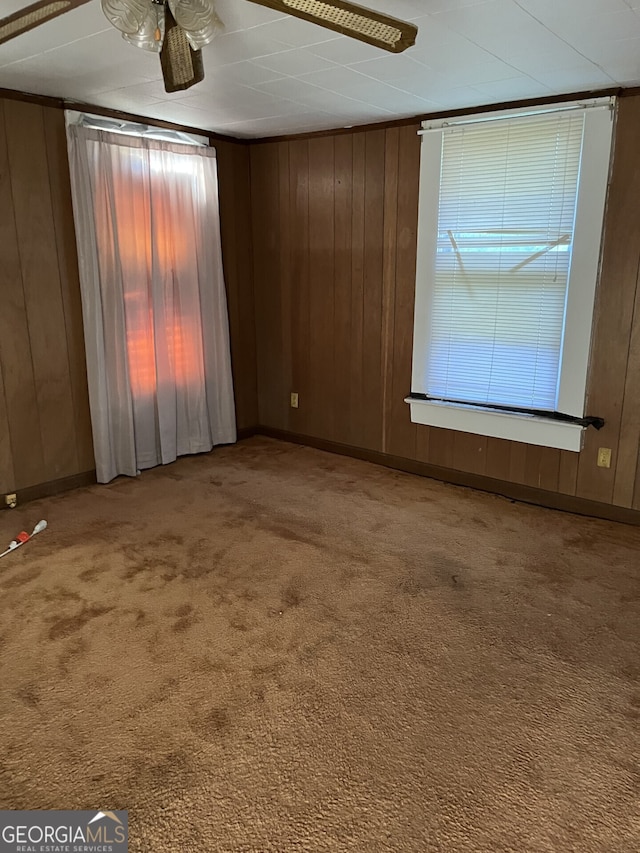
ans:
(275, 649)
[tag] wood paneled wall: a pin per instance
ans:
(45, 427)
(45, 430)
(334, 235)
(235, 227)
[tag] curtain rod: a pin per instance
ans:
(478, 118)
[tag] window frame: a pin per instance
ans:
(595, 168)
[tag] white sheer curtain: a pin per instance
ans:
(153, 297)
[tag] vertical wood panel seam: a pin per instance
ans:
(253, 279)
(388, 287)
(248, 287)
(64, 312)
(308, 274)
(20, 257)
(620, 437)
(10, 484)
(333, 277)
(24, 298)
(364, 255)
(10, 472)
(635, 495)
(333, 285)
(628, 353)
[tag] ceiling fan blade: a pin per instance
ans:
(350, 20)
(34, 15)
(182, 65)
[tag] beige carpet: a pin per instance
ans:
(275, 649)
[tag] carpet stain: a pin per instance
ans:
(91, 574)
(74, 649)
(69, 625)
(292, 594)
(29, 695)
(212, 724)
(186, 620)
(21, 579)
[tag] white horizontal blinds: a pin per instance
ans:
(508, 192)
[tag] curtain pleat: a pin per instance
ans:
(154, 302)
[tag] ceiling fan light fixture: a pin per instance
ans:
(198, 18)
(182, 65)
(128, 16)
(151, 34)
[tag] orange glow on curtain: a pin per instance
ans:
(184, 352)
(170, 244)
(141, 352)
(151, 245)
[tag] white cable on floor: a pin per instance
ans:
(40, 526)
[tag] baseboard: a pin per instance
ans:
(513, 491)
(54, 487)
(247, 432)
(87, 478)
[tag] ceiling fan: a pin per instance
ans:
(179, 29)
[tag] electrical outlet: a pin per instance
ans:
(294, 401)
(604, 457)
(11, 500)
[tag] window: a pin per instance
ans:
(511, 209)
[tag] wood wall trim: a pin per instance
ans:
(512, 491)
(41, 100)
(453, 113)
(247, 432)
(85, 478)
(54, 487)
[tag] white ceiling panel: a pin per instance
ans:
(547, 10)
(582, 77)
(345, 51)
(290, 63)
(588, 30)
(271, 73)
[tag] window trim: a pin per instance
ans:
(529, 429)
(581, 286)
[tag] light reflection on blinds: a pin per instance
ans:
(508, 192)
